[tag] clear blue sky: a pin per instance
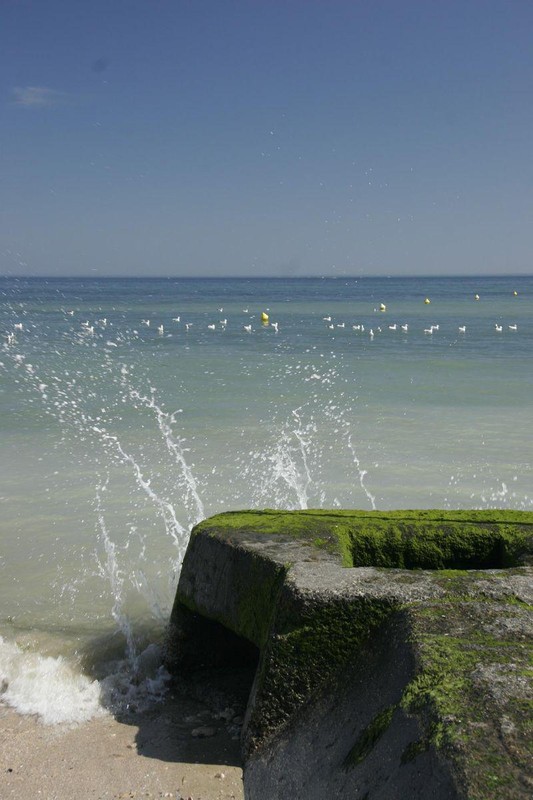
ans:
(260, 137)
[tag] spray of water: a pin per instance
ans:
(166, 510)
(304, 447)
(284, 465)
(303, 437)
(176, 447)
(110, 569)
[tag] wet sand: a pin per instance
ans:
(153, 754)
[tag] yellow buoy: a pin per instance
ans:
(427, 301)
(382, 307)
(264, 317)
(515, 294)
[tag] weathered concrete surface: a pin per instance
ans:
(372, 683)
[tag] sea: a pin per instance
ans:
(132, 408)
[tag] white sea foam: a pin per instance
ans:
(59, 693)
(135, 687)
(45, 686)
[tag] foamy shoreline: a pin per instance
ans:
(149, 755)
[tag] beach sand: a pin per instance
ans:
(153, 754)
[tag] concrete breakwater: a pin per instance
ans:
(392, 651)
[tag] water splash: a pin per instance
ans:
(48, 687)
(166, 510)
(124, 691)
(289, 462)
(111, 570)
(176, 447)
(304, 448)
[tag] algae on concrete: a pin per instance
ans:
(313, 590)
(430, 539)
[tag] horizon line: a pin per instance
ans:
(84, 276)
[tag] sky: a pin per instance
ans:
(260, 137)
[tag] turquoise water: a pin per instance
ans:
(117, 437)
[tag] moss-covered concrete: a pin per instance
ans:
(307, 648)
(314, 590)
(473, 690)
(431, 539)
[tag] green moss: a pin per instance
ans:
(436, 545)
(369, 737)
(414, 749)
(307, 651)
(252, 605)
(448, 700)
(270, 518)
(322, 542)
(257, 597)
(431, 539)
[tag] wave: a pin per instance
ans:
(55, 691)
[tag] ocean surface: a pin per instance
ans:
(133, 408)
